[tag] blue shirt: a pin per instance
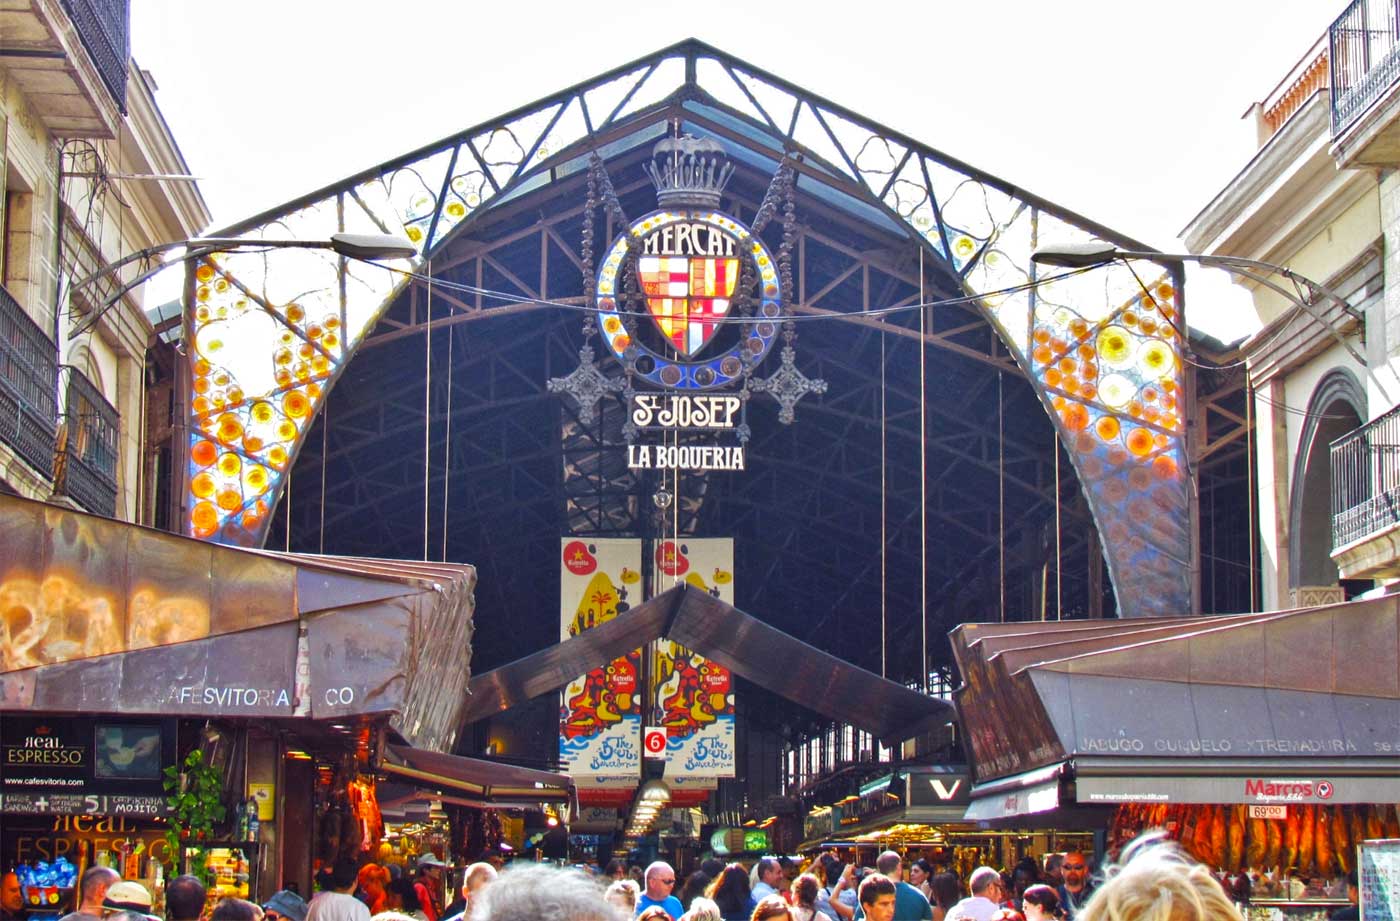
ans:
(673, 905)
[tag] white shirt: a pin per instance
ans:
(336, 906)
(973, 908)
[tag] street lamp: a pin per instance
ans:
(370, 247)
(1088, 255)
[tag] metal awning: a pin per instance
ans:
(475, 781)
(109, 617)
(1291, 691)
(743, 644)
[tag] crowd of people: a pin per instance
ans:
(1154, 881)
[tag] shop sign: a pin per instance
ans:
(26, 840)
(817, 824)
(58, 766)
(1259, 790)
(940, 789)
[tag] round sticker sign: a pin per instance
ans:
(654, 741)
(1323, 789)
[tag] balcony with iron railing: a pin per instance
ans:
(1364, 65)
(85, 468)
(104, 28)
(28, 387)
(1366, 499)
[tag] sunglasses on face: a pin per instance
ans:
(1073, 867)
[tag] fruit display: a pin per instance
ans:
(1310, 839)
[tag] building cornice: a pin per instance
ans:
(1284, 196)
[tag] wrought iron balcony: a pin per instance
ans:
(86, 463)
(1366, 480)
(28, 387)
(104, 27)
(1364, 50)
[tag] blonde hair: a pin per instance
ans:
(626, 890)
(1156, 882)
(702, 909)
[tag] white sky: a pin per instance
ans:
(1125, 111)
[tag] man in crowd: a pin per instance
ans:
(909, 903)
(11, 898)
(337, 903)
(1077, 887)
(660, 882)
(92, 889)
(184, 899)
(478, 877)
(987, 890)
(877, 898)
(769, 873)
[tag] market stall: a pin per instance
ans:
(1267, 744)
(124, 652)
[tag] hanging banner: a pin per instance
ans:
(600, 722)
(695, 696)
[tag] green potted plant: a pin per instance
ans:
(195, 798)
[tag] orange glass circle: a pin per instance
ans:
(202, 486)
(204, 453)
(1107, 428)
(1140, 442)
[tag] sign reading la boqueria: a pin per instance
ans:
(677, 413)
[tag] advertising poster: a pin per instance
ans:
(58, 766)
(694, 696)
(600, 721)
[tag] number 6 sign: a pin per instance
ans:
(654, 741)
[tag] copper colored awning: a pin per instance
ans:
(102, 616)
(1315, 686)
(745, 645)
(477, 780)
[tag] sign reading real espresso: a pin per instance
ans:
(715, 413)
(66, 766)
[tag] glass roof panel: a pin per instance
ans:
(814, 137)
(716, 81)
(779, 104)
(668, 77)
(604, 98)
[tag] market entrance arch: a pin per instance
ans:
(960, 404)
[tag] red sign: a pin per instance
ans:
(671, 558)
(1261, 789)
(577, 558)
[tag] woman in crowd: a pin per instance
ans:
(731, 893)
(623, 893)
(921, 876)
(772, 908)
(695, 885)
(654, 913)
(1156, 882)
(1041, 903)
(702, 909)
(805, 890)
(946, 893)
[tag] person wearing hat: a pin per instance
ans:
(127, 896)
(428, 885)
(285, 904)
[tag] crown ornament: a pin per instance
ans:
(689, 171)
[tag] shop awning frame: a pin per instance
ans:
(741, 643)
(489, 783)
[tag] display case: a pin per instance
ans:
(1287, 910)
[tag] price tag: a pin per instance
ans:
(1268, 812)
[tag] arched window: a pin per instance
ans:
(1337, 406)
